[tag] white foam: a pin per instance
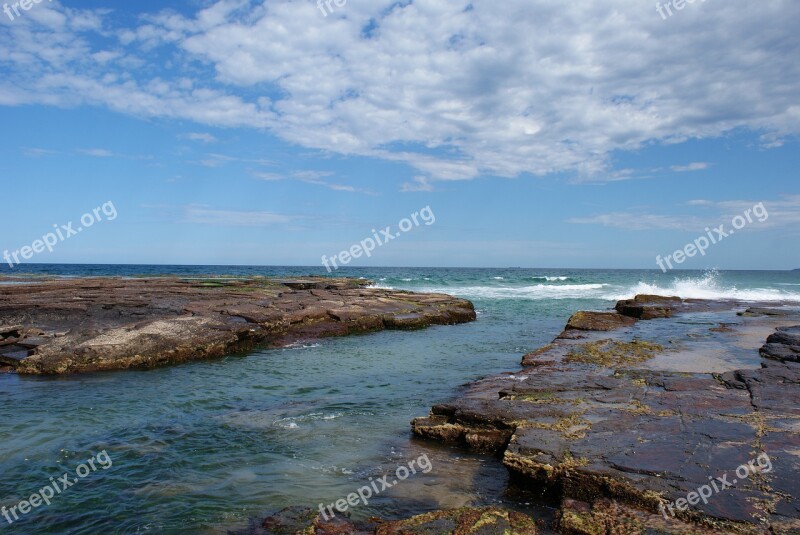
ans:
(705, 287)
(291, 422)
(550, 279)
(299, 345)
(535, 292)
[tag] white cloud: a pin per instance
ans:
(640, 221)
(420, 183)
(97, 153)
(219, 160)
(267, 176)
(311, 175)
(315, 178)
(783, 213)
(232, 218)
(201, 137)
(36, 152)
(104, 153)
(454, 89)
(695, 166)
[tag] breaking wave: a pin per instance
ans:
(706, 286)
(538, 291)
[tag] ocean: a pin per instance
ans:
(209, 446)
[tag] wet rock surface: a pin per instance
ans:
(464, 521)
(64, 326)
(622, 448)
(783, 346)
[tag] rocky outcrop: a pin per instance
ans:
(85, 325)
(465, 521)
(765, 311)
(784, 345)
(593, 424)
(608, 517)
(598, 321)
(647, 307)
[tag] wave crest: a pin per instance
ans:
(707, 287)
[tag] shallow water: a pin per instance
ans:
(700, 348)
(206, 446)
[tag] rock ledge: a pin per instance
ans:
(63, 326)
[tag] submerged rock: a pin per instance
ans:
(464, 521)
(82, 325)
(764, 311)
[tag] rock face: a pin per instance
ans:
(85, 325)
(598, 321)
(465, 521)
(624, 448)
(647, 307)
(783, 346)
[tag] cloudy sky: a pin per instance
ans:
(541, 133)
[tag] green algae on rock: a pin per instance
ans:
(464, 521)
(611, 353)
(592, 422)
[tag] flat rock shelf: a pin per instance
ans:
(66, 326)
(619, 421)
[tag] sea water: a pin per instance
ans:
(208, 446)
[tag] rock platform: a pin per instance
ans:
(66, 326)
(620, 426)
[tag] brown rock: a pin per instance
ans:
(592, 423)
(83, 325)
(784, 345)
(598, 321)
(648, 307)
(464, 521)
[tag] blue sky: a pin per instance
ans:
(244, 132)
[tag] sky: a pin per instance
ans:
(539, 133)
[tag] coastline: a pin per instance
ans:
(304, 399)
(618, 435)
(614, 441)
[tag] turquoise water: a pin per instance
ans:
(206, 447)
